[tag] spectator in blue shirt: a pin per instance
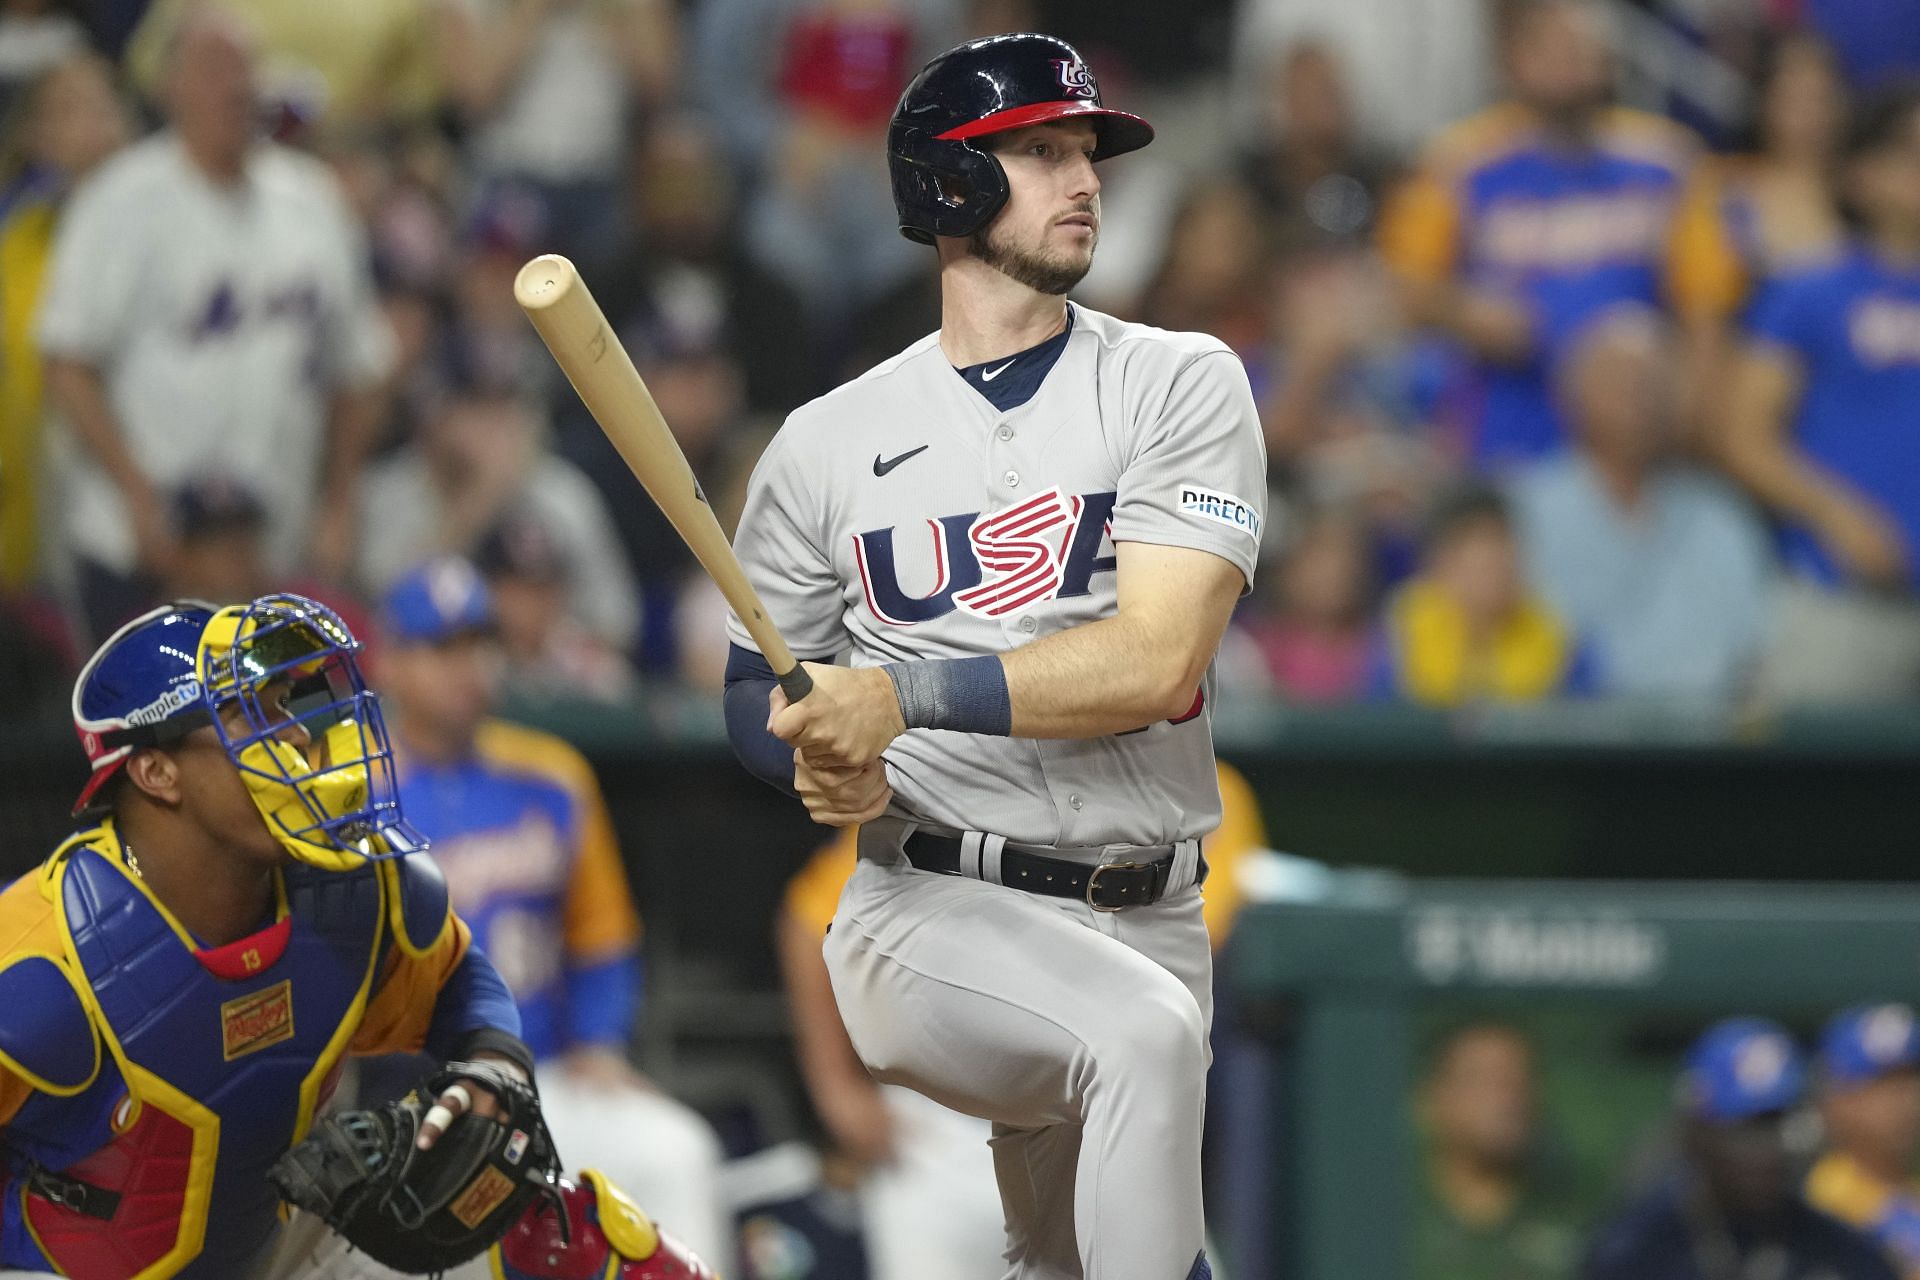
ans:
(1526, 220)
(1662, 568)
(1733, 1210)
(1822, 427)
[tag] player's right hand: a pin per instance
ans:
(842, 796)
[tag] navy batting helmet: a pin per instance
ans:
(944, 182)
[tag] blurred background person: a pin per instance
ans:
(1820, 423)
(1487, 1211)
(1465, 628)
(520, 830)
(548, 88)
(481, 457)
(35, 37)
(549, 654)
(371, 65)
(65, 122)
(929, 1200)
(1431, 62)
(817, 107)
(1527, 219)
(1869, 1091)
(1748, 218)
(682, 255)
(1313, 624)
(256, 353)
(1661, 567)
(1316, 175)
(1216, 274)
(1733, 1208)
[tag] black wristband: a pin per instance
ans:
(968, 695)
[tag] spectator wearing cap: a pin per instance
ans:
(548, 653)
(1820, 426)
(519, 827)
(480, 458)
(1662, 567)
(1465, 628)
(1869, 1077)
(1733, 1209)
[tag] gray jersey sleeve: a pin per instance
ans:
(779, 543)
(1197, 474)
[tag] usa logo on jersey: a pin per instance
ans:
(994, 565)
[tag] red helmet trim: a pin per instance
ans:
(1033, 113)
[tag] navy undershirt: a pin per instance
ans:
(1015, 378)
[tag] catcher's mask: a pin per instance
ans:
(332, 802)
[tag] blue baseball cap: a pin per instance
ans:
(1741, 1068)
(140, 687)
(435, 601)
(1868, 1041)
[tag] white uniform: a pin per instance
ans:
(903, 516)
(221, 319)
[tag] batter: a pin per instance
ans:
(1024, 536)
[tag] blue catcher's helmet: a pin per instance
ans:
(328, 793)
(944, 182)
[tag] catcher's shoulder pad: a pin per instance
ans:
(421, 905)
(46, 1038)
(629, 1230)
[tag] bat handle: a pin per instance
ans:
(797, 683)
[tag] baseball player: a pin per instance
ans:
(183, 978)
(523, 836)
(1025, 533)
(928, 1204)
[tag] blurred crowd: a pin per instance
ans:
(1562, 396)
(1773, 1161)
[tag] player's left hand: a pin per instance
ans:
(461, 1096)
(851, 716)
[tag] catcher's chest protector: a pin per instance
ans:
(223, 1073)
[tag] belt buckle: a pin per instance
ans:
(1093, 879)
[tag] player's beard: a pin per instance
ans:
(1039, 270)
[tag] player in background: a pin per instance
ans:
(1733, 1207)
(1533, 216)
(929, 1204)
(1026, 533)
(520, 830)
(1869, 1074)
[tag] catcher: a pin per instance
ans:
(183, 979)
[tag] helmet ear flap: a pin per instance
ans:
(942, 187)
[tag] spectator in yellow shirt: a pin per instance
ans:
(69, 121)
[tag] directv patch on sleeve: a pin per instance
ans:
(1211, 504)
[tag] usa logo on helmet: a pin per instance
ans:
(1076, 77)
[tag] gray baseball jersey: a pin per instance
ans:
(902, 516)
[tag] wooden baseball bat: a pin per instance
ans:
(551, 292)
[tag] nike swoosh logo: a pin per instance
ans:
(991, 374)
(881, 468)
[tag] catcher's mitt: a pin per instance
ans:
(425, 1211)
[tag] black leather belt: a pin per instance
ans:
(1106, 886)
